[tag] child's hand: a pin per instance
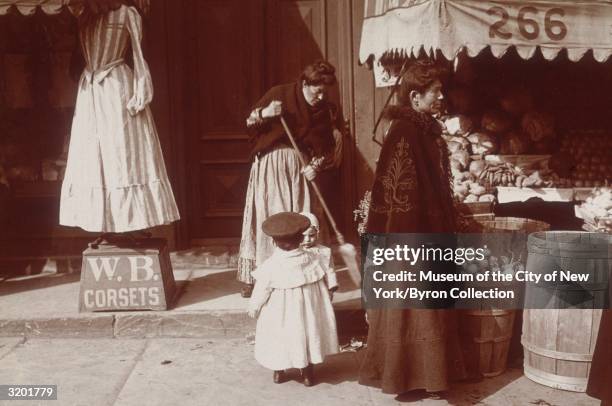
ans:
(331, 292)
(253, 313)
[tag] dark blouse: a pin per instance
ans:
(311, 126)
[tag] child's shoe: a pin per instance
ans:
(308, 375)
(279, 376)
(246, 291)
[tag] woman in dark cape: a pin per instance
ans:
(412, 349)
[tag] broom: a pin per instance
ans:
(348, 251)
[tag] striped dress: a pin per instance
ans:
(115, 177)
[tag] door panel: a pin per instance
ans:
(229, 80)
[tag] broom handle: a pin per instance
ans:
(339, 235)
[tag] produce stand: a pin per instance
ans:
(526, 122)
(527, 107)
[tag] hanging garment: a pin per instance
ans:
(115, 177)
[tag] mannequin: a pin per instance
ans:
(116, 180)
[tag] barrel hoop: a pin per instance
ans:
(555, 381)
(563, 356)
(492, 312)
(481, 340)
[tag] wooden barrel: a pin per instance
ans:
(559, 343)
(572, 253)
(486, 336)
(520, 228)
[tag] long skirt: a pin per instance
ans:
(115, 177)
(412, 349)
(296, 327)
(600, 376)
(276, 184)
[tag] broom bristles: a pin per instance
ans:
(349, 255)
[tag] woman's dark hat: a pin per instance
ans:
(285, 225)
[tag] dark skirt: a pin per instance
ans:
(600, 377)
(412, 349)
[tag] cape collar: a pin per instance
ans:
(424, 121)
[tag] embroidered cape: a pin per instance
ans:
(412, 189)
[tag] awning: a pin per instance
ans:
(28, 7)
(407, 26)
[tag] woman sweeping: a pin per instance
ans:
(412, 349)
(278, 182)
(115, 178)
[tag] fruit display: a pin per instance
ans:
(596, 211)
(590, 155)
(512, 125)
(464, 169)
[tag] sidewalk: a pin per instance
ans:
(223, 372)
(197, 352)
(45, 303)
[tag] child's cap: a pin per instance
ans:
(314, 222)
(285, 225)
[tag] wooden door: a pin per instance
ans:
(295, 37)
(242, 49)
(229, 79)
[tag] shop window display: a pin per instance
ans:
(36, 108)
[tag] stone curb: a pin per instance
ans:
(209, 324)
(132, 325)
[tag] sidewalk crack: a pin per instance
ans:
(137, 360)
(23, 340)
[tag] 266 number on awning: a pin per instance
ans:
(528, 26)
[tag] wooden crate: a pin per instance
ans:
(127, 275)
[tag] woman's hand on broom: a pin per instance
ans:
(274, 109)
(253, 313)
(309, 172)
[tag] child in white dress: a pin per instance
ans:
(296, 326)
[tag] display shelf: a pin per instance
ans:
(522, 161)
(507, 194)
